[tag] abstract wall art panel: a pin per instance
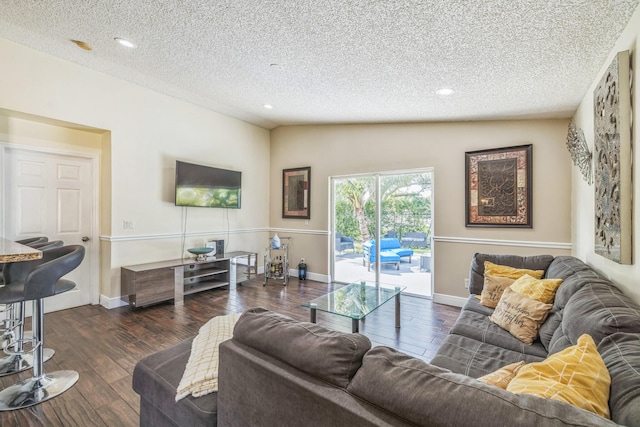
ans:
(612, 162)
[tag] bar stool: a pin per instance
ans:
(42, 282)
(14, 335)
(9, 309)
(33, 240)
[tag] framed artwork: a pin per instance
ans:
(499, 187)
(296, 193)
(613, 170)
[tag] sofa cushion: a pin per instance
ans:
(329, 355)
(621, 355)
(520, 315)
(562, 267)
(422, 393)
(402, 252)
(156, 378)
(549, 327)
(479, 327)
(571, 284)
(559, 341)
(576, 375)
(473, 304)
(475, 358)
(476, 273)
(390, 251)
(389, 243)
(386, 256)
(599, 310)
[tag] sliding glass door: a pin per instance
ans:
(393, 208)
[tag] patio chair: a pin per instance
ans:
(343, 243)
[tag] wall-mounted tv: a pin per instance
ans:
(206, 186)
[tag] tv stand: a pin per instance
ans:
(197, 276)
(146, 284)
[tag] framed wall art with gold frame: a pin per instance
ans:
(499, 187)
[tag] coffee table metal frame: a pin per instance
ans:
(356, 301)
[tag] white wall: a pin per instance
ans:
(141, 134)
(583, 201)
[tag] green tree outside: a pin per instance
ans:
(406, 206)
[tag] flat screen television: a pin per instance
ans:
(206, 186)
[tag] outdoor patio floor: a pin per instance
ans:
(349, 269)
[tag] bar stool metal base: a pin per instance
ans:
(21, 362)
(33, 391)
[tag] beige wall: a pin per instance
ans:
(337, 150)
(583, 201)
(138, 134)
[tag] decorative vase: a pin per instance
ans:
(275, 242)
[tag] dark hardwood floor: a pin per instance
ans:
(104, 345)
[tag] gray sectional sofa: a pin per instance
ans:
(277, 371)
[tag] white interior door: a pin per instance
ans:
(52, 195)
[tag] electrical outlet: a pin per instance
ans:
(128, 224)
(466, 283)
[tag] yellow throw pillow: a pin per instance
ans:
(520, 315)
(493, 288)
(491, 269)
(503, 376)
(575, 375)
(543, 290)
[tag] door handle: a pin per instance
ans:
(85, 238)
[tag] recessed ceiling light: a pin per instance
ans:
(445, 91)
(267, 106)
(125, 42)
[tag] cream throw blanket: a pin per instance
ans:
(201, 374)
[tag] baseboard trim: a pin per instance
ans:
(323, 278)
(110, 303)
(449, 300)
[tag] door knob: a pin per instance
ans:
(85, 238)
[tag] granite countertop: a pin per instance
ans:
(11, 251)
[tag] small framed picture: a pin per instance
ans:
(296, 193)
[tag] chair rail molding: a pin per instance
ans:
(109, 238)
(496, 242)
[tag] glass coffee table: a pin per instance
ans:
(356, 301)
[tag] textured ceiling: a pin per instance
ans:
(339, 61)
